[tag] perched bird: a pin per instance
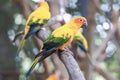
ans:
(82, 42)
(59, 39)
(35, 21)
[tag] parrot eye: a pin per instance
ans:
(81, 20)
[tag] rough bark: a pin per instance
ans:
(59, 66)
(71, 65)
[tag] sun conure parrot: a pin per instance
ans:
(59, 39)
(82, 42)
(35, 21)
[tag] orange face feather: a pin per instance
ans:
(80, 21)
(42, 4)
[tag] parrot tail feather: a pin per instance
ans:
(90, 59)
(33, 65)
(21, 45)
(39, 58)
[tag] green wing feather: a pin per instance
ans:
(60, 40)
(53, 42)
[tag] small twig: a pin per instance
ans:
(101, 48)
(17, 35)
(104, 72)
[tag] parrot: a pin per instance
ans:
(59, 39)
(82, 42)
(35, 21)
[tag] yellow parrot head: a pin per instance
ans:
(43, 4)
(80, 21)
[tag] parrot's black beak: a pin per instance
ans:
(84, 26)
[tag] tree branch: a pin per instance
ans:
(104, 72)
(60, 67)
(101, 48)
(17, 35)
(71, 65)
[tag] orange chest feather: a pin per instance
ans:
(64, 45)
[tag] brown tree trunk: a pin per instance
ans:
(90, 37)
(8, 69)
